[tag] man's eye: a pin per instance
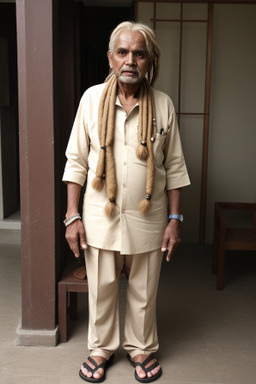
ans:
(140, 54)
(122, 52)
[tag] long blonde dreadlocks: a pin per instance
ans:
(105, 170)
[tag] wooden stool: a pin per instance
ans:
(228, 238)
(68, 287)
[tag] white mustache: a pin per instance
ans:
(127, 68)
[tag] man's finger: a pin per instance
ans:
(169, 254)
(76, 251)
(164, 246)
(82, 238)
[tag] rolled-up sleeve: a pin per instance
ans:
(174, 163)
(78, 149)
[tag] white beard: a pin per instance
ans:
(128, 79)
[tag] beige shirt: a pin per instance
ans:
(128, 231)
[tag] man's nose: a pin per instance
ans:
(130, 59)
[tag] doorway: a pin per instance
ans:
(9, 137)
(93, 26)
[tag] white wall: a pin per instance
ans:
(232, 155)
(232, 141)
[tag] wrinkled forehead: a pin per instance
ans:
(131, 38)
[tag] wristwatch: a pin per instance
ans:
(176, 217)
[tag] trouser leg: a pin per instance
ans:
(103, 272)
(140, 331)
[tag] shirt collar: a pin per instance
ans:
(120, 105)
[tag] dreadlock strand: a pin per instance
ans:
(153, 133)
(145, 204)
(98, 181)
(111, 183)
(141, 150)
(145, 107)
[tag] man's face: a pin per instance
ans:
(130, 60)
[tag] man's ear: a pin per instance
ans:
(110, 59)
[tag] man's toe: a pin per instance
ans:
(154, 371)
(141, 373)
(85, 372)
(98, 374)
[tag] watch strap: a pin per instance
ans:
(176, 217)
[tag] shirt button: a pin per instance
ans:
(124, 162)
(124, 186)
(123, 211)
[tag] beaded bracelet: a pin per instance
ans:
(72, 218)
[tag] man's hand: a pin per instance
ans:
(171, 238)
(75, 236)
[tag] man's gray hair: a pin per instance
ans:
(152, 46)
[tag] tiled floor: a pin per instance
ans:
(206, 336)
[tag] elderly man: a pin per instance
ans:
(125, 143)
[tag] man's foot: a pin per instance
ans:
(147, 368)
(94, 369)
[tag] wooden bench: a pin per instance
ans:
(229, 238)
(68, 287)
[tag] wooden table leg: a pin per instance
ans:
(62, 312)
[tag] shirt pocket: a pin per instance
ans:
(158, 149)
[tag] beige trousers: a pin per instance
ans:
(140, 330)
